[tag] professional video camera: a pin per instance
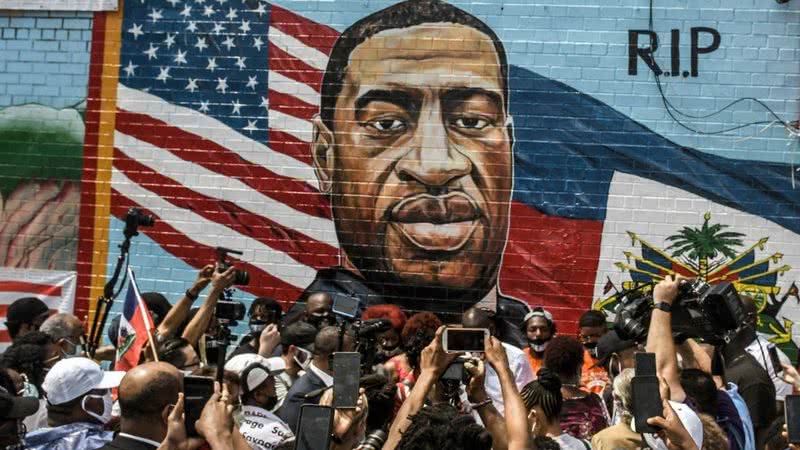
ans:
(704, 311)
(241, 277)
(366, 333)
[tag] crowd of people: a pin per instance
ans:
(572, 392)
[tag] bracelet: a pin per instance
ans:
(479, 405)
(191, 296)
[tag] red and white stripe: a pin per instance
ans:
(210, 185)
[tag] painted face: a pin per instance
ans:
(420, 165)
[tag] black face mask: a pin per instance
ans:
(270, 403)
(591, 347)
(321, 321)
(257, 326)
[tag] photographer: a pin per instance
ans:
(263, 312)
(199, 323)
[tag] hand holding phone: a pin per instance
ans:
(196, 391)
(460, 340)
(314, 428)
(792, 410)
(645, 393)
(346, 375)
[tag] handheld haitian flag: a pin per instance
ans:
(135, 326)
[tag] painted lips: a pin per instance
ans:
(436, 223)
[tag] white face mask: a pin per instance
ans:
(108, 403)
(29, 390)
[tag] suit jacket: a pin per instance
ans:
(338, 281)
(290, 411)
(124, 443)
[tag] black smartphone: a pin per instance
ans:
(196, 392)
(645, 393)
(792, 411)
(314, 428)
(457, 340)
(455, 371)
(345, 305)
(346, 374)
(776, 360)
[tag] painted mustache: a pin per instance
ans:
(450, 208)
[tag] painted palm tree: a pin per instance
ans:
(704, 244)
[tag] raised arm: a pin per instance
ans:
(178, 313)
(433, 362)
(490, 416)
(659, 337)
(516, 415)
(199, 323)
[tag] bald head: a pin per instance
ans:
(147, 389)
(476, 318)
(62, 326)
(319, 302)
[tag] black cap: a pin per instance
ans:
(609, 344)
(299, 334)
(26, 309)
(12, 407)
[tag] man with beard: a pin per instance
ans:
(592, 327)
(262, 429)
(413, 145)
(539, 329)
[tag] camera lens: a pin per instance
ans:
(241, 277)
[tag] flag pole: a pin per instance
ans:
(152, 345)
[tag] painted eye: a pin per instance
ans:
(472, 123)
(388, 125)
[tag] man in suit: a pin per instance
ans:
(309, 388)
(146, 396)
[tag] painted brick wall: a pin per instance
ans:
(202, 114)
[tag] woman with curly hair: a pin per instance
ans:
(583, 414)
(388, 341)
(418, 332)
(544, 401)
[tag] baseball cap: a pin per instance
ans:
(609, 344)
(70, 378)
(25, 309)
(255, 369)
(299, 334)
(13, 407)
(538, 312)
(689, 419)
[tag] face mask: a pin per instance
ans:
(538, 345)
(108, 403)
(322, 320)
(29, 390)
(257, 326)
(591, 347)
(77, 350)
(270, 403)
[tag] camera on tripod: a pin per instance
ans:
(704, 311)
(134, 219)
(241, 277)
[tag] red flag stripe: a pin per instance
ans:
(311, 33)
(262, 284)
(291, 67)
(294, 193)
(32, 288)
(291, 105)
(4, 336)
(302, 248)
(283, 142)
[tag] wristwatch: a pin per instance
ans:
(664, 306)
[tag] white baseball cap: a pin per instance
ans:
(239, 363)
(72, 377)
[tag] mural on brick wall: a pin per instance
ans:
(418, 153)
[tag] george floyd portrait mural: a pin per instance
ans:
(444, 155)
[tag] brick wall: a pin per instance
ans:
(203, 117)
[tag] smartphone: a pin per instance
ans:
(346, 374)
(455, 371)
(645, 393)
(345, 305)
(196, 392)
(792, 411)
(314, 428)
(457, 340)
(776, 360)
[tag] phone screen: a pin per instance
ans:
(345, 305)
(464, 339)
(314, 429)
(196, 392)
(793, 418)
(346, 374)
(776, 360)
(645, 393)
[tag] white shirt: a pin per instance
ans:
(37, 420)
(326, 379)
(141, 439)
(262, 429)
(521, 369)
(759, 348)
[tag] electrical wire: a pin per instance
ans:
(672, 109)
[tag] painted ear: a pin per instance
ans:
(322, 153)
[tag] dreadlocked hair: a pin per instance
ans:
(545, 391)
(440, 427)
